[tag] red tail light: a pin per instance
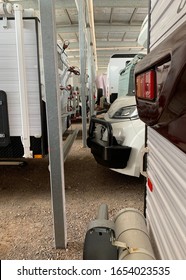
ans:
(145, 85)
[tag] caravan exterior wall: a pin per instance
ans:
(162, 106)
(9, 83)
(9, 77)
(166, 16)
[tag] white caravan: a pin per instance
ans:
(23, 128)
(161, 101)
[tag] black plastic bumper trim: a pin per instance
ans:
(107, 153)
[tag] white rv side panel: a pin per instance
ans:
(114, 67)
(9, 76)
(166, 203)
(167, 16)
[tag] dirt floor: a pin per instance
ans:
(26, 222)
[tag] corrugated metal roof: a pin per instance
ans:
(117, 26)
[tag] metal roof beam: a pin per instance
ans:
(97, 3)
(111, 15)
(68, 16)
(133, 15)
(120, 28)
(121, 3)
(101, 52)
(58, 4)
(124, 34)
(105, 44)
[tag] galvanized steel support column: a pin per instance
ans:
(49, 41)
(92, 54)
(90, 71)
(82, 49)
(93, 86)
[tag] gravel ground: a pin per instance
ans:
(26, 224)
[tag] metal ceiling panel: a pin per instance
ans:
(117, 24)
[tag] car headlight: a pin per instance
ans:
(129, 112)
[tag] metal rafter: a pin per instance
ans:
(124, 34)
(105, 28)
(60, 37)
(97, 3)
(66, 11)
(111, 15)
(116, 21)
(133, 15)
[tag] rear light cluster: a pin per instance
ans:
(145, 85)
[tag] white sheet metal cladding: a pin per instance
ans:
(166, 204)
(9, 76)
(166, 17)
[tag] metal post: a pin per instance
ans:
(93, 87)
(82, 48)
(93, 54)
(49, 42)
(90, 65)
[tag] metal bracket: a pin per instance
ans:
(127, 250)
(5, 23)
